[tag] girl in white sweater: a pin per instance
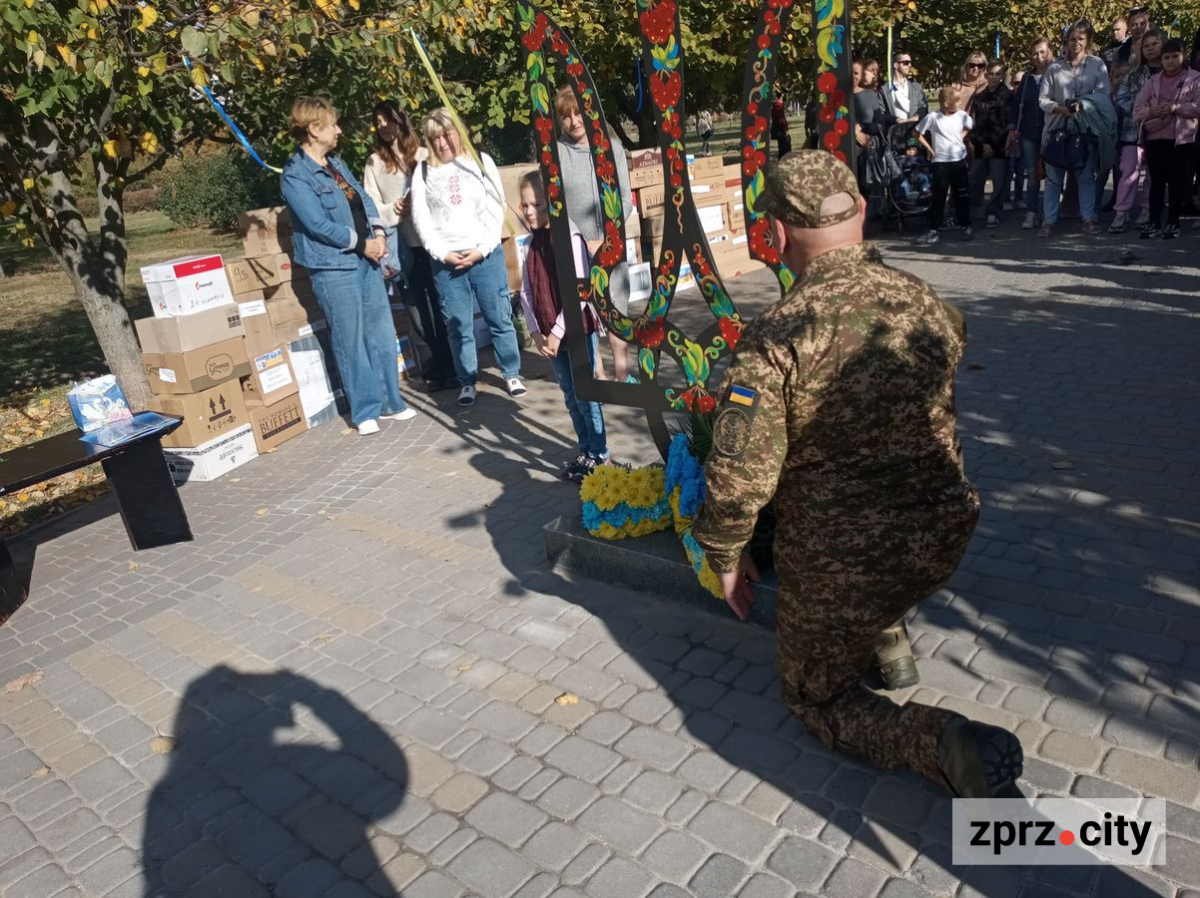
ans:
(387, 180)
(458, 211)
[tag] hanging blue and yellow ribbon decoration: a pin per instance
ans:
(237, 132)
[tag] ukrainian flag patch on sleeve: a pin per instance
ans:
(743, 396)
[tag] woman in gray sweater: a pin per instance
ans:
(584, 209)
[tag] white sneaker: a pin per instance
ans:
(1119, 223)
(466, 396)
(1030, 221)
(407, 415)
(368, 427)
(515, 387)
(993, 221)
(929, 239)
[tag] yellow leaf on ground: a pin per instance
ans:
(21, 682)
(133, 565)
(162, 745)
(465, 666)
(567, 698)
(262, 511)
(41, 773)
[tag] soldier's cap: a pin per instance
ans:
(800, 184)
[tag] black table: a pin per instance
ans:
(137, 472)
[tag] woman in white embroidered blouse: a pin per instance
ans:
(458, 210)
(387, 180)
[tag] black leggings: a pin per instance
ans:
(1167, 165)
(422, 294)
(947, 175)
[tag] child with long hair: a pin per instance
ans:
(544, 311)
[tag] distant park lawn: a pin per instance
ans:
(48, 343)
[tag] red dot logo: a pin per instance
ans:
(1066, 837)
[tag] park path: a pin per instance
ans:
(372, 684)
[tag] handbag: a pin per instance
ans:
(1067, 147)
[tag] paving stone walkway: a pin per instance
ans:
(362, 679)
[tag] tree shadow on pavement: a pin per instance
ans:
(723, 739)
(274, 779)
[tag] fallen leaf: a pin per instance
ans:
(163, 745)
(348, 431)
(269, 451)
(326, 637)
(262, 511)
(567, 698)
(21, 682)
(235, 480)
(465, 666)
(41, 773)
(133, 566)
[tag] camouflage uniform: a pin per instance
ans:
(839, 404)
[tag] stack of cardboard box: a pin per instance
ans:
(716, 190)
(293, 383)
(194, 354)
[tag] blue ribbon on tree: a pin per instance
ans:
(237, 132)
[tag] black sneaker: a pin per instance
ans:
(570, 471)
(1150, 232)
(1170, 232)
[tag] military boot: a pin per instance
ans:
(979, 760)
(894, 656)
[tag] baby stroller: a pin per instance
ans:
(912, 192)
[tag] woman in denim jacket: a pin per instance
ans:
(339, 238)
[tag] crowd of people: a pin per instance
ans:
(425, 224)
(1048, 135)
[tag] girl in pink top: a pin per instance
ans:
(1168, 110)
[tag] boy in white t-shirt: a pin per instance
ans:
(948, 129)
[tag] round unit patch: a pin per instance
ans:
(731, 432)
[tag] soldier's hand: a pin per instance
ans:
(736, 586)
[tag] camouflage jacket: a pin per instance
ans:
(839, 403)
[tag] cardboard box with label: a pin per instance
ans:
(276, 423)
(213, 459)
(196, 369)
(251, 274)
(704, 167)
(709, 192)
(206, 415)
(189, 332)
(645, 168)
(289, 270)
(650, 202)
(187, 286)
(270, 377)
(406, 362)
(266, 325)
(265, 232)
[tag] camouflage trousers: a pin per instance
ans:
(827, 629)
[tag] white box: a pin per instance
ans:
(210, 460)
(186, 286)
(712, 219)
(641, 282)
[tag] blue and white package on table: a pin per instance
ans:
(98, 402)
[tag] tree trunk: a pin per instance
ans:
(118, 342)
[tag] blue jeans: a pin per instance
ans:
(485, 283)
(1055, 177)
(363, 335)
(587, 417)
(1030, 151)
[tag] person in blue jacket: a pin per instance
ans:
(340, 238)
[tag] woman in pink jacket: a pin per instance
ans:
(1168, 110)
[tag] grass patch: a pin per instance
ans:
(48, 344)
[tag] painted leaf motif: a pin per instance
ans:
(695, 365)
(612, 203)
(646, 360)
(540, 97)
(599, 281)
(533, 66)
(754, 191)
